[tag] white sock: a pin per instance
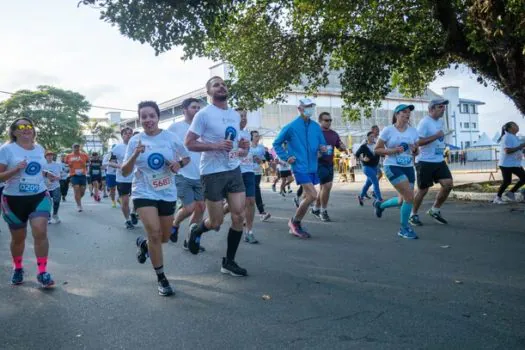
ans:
(435, 210)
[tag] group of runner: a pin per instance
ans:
(211, 163)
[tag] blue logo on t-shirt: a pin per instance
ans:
(404, 145)
(441, 138)
(33, 168)
(230, 133)
(156, 161)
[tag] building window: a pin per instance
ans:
(466, 125)
(467, 144)
(473, 109)
(473, 125)
(464, 108)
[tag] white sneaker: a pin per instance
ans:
(511, 196)
(56, 219)
(49, 222)
(79, 208)
(265, 216)
(498, 200)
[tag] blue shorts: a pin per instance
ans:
(78, 180)
(111, 181)
(306, 178)
(397, 174)
(249, 184)
(325, 173)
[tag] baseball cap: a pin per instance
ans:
(438, 101)
(306, 102)
(403, 106)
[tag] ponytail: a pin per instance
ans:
(394, 118)
(504, 129)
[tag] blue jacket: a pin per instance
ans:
(304, 139)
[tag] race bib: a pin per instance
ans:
(161, 181)
(79, 172)
(248, 160)
(95, 172)
(29, 185)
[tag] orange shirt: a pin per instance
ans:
(77, 163)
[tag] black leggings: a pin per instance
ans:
(507, 172)
(64, 186)
(258, 197)
(300, 192)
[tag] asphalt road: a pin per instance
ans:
(354, 285)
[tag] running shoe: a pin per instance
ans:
(231, 267)
(290, 190)
(324, 216)
(436, 215)
(316, 213)
(185, 246)
(360, 200)
(195, 240)
(265, 216)
(282, 193)
(113, 204)
(498, 200)
(297, 230)
(174, 237)
(79, 208)
(63, 199)
(377, 209)
(56, 219)
(45, 279)
(164, 288)
(511, 196)
(134, 218)
(373, 194)
(142, 249)
(414, 220)
(250, 238)
(18, 276)
(274, 188)
(407, 232)
(49, 221)
(296, 201)
(129, 225)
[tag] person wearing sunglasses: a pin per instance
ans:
(25, 197)
(325, 168)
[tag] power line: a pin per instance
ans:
(92, 106)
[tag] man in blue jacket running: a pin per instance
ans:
(304, 140)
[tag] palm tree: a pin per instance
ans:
(104, 133)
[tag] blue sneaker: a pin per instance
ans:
(407, 232)
(377, 209)
(174, 234)
(142, 249)
(18, 276)
(45, 279)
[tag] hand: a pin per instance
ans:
(173, 166)
(21, 165)
(224, 145)
(291, 160)
(440, 134)
(323, 148)
(398, 149)
(366, 159)
(414, 149)
(139, 149)
(245, 144)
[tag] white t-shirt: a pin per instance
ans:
(105, 163)
(433, 152)
(191, 170)
(259, 152)
(120, 152)
(247, 163)
(152, 178)
(64, 171)
(394, 138)
(513, 159)
(28, 181)
(213, 125)
(56, 169)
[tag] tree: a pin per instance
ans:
(377, 45)
(104, 133)
(58, 115)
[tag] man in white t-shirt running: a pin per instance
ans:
(188, 179)
(430, 165)
(215, 132)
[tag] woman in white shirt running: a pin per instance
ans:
(25, 197)
(397, 143)
(154, 156)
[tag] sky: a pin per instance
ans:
(54, 42)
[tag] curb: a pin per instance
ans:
(482, 197)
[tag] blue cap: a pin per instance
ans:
(403, 106)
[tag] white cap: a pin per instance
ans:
(306, 102)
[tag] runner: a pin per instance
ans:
(259, 156)
(430, 165)
(304, 140)
(188, 182)
(77, 162)
(53, 184)
(124, 182)
(398, 143)
(25, 197)
(284, 169)
(370, 162)
(95, 173)
(510, 161)
(102, 185)
(110, 162)
(64, 177)
(215, 132)
(325, 167)
(154, 155)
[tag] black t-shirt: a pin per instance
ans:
(95, 168)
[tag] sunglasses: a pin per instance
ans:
(24, 127)
(327, 120)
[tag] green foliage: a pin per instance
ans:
(58, 115)
(104, 133)
(376, 45)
